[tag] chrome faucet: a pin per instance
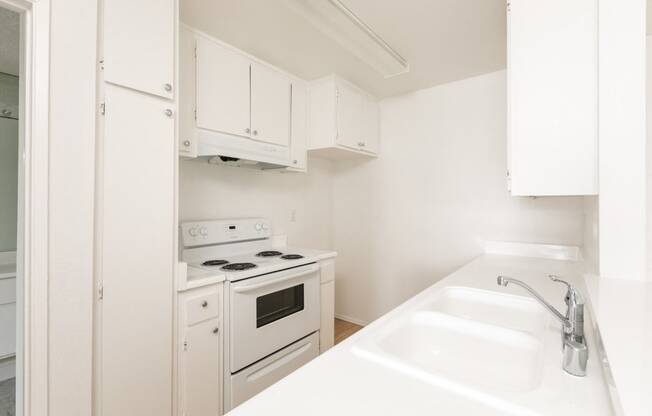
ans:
(574, 347)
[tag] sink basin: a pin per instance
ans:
(469, 352)
(504, 310)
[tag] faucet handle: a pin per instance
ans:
(558, 280)
(572, 294)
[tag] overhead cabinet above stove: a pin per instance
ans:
(238, 107)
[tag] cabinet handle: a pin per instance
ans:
(255, 132)
(247, 130)
(186, 143)
(361, 144)
(167, 87)
(216, 330)
(204, 304)
(168, 112)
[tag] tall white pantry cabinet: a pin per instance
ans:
(136, 209)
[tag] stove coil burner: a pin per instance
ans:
(238, 266)
(214, 262)
(270, 253)
(292, 256)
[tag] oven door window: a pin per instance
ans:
(277, 305)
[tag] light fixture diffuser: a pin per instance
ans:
(337, 21)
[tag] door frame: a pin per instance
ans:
(32, 243)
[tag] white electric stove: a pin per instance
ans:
(272, 300)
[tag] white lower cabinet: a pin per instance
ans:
(327, 326)
(200, 352)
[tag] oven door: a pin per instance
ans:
(272, 311)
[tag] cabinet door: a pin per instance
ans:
(371, 140)
(186, 112)
(270, 105)
(553, 97)
(299, 133)
(349, 116)
(137, 255)
(201, 370)
(222, 89)
(139, 52)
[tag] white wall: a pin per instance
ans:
(211, 191)
(591, 246)
(648, 76)
(423, 208)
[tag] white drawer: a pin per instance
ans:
(257, 377)
(202, 307)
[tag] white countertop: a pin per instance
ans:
(623, 309)
(345, 382)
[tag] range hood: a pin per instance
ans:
(227, 149)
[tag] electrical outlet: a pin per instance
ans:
(293, 215)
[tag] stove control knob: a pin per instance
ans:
(258, 226)
(192, 232)
(203, 231)
(265, 227)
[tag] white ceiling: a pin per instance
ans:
(443, 40)
(9, 41)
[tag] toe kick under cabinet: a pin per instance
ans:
(200, 351)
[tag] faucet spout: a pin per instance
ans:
(575, 350)
(567, 324)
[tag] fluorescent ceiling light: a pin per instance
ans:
(337, 21)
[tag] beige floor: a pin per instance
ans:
(344, 329)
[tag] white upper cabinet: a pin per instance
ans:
(223, 87)
(342, 120)
(186, 112)
(299, 128)
(270, 106)
(553, 97)
(232, 104)
(139, 52)
(350, 116)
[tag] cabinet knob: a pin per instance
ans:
(247, 130)
(216, 330)
(186, 143)
(168, 112)
(204, 304)
(255, 132)
(295, 161)
(167, 87)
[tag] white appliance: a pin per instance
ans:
(220, 148)
(271, 305)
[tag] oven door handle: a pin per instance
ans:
(249, 288)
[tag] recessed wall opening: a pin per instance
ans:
(9, 158)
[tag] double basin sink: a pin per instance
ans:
(479, 344)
